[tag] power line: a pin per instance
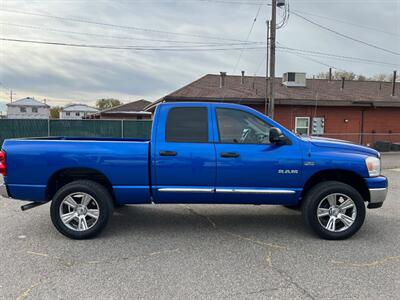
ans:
(136, 48)
(336, 56)
(247, 38)
(118, 26)
(191, 44)
(307, 57)
(344, 35)
(347, 22)
(172, 1)
(202, 48)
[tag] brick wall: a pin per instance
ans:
(346, 122)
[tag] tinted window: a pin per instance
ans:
(291, 77)
(236, 126)
(187, 124)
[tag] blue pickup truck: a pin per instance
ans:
(199, 153)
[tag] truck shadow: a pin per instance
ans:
(173, 219)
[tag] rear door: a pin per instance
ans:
(184, 166)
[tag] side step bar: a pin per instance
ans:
(31, 205)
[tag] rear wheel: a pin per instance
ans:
(334, 210)
(81, 209)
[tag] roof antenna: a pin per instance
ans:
(314, 114)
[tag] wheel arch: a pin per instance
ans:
(64, 176)
(345, 176)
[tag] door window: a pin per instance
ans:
(240, 127)
(187, 125)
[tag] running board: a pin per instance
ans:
(31, 205)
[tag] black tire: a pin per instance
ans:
(318, 193)
(102, 200)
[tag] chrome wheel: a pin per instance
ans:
(79, 211)
(336, 212)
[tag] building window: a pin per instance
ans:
(22, 109)
(302, 126)
(187, 125)
(68, 113)
(240, 127)
(77, 114)
(34, 109)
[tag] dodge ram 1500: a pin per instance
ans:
(199, 153)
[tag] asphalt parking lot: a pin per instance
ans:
(209, 252)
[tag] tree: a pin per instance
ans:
(55, 112)
(381, 77)
(345, 74)
(322, 75)
(107, 103)
(337, 75)
(362, 77)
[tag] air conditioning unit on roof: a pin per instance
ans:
(294, 79)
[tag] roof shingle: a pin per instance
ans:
(28, 102)
(208, 88)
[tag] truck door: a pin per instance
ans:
(184, 166)
(249, 168)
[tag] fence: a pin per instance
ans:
(18, 128)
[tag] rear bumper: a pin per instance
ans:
(378, 189)
(3, 191)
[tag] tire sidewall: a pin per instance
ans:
(317, 194)
(98, 192)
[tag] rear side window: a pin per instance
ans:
(187, 125)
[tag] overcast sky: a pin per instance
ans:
(73, 74)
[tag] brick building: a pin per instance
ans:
(359, 111)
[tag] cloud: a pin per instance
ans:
(65, 74)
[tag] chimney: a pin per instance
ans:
(330, 74)
(222, 79)
(342, 83)
(242, 79)
(394, 83)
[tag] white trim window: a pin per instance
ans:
(302, 125)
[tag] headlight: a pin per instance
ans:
(373, 166)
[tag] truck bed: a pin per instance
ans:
(100, 139)
(123, 162)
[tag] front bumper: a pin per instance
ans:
(3, 191)
(378, 189)
(377, 197)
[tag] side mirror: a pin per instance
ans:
(276, 137)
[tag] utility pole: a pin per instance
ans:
(266, 107)
(271, 107)
(11, 95)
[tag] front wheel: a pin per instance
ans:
(81, 209)
(334, 210)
